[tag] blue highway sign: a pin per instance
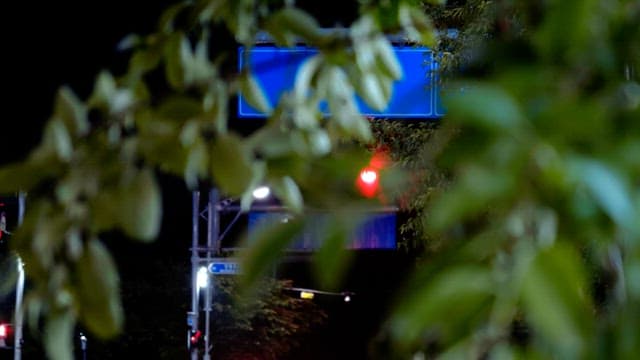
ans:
(415, 96)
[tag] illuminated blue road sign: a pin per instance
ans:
(378, 231)
(224, 266)
(415, 96)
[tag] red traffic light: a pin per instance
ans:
(6, 338)
(368, 182)
(196, 338)
(5, 331)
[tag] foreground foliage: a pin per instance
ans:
(94, 170)
(541, 224)
(539, 228)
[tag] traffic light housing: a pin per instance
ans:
(6, 336)
(368, 180)
(196, 339)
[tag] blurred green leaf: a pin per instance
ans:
(628, 95)
(306, 115)
(190, 133)
(417, 25)
(319, 142)
(442, 304)
(386, 58)
(477, 189)
(281, 35)
(58, 336)
(48, 235)
(196, 165)
(342, 105)
(231, 164)
(570, 29)
(488, 107)
(174, 70)
(158, 141)
(168, 16)
(144, 60)
(298, 23)
(57, 137)
(331, 260)
(264, 248)
(253, 93)
(271, 142)
(215, 105)
(293, 165)
(129, 42)
(141, 207)
(71, 112)
(626, 335)
(555, 296)
(610, 190)
(8, 275)
(633, 278)
(105, 212)
(363, 32)
(104, 89)
(22, 176)
(98, 291)
(179, 108)
(259, 173)
(304, 77)
(371, 89)
(287, 190)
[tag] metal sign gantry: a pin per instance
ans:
(203, 255)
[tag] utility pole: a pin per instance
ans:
(213, 229)
(195, 263)
(19, 314)
(83, 346)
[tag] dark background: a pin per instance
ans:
(68, 43)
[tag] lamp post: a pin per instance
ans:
(199, 277)
(195, 260)
(19, 312)
(83, 346)
(213, 230)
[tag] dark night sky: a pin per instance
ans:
(61, 43)
(46, 45)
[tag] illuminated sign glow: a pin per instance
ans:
(415, 96)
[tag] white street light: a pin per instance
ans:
(261, 193)
(203, 277)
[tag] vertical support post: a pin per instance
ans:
(83, 346)
(19, 315)
(213, 229)
(195, 262)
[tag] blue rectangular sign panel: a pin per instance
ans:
(224, 268)
(377, 231)
(414, 95)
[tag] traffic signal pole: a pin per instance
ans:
(19, 315)
(213, 229)
(195, 262)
